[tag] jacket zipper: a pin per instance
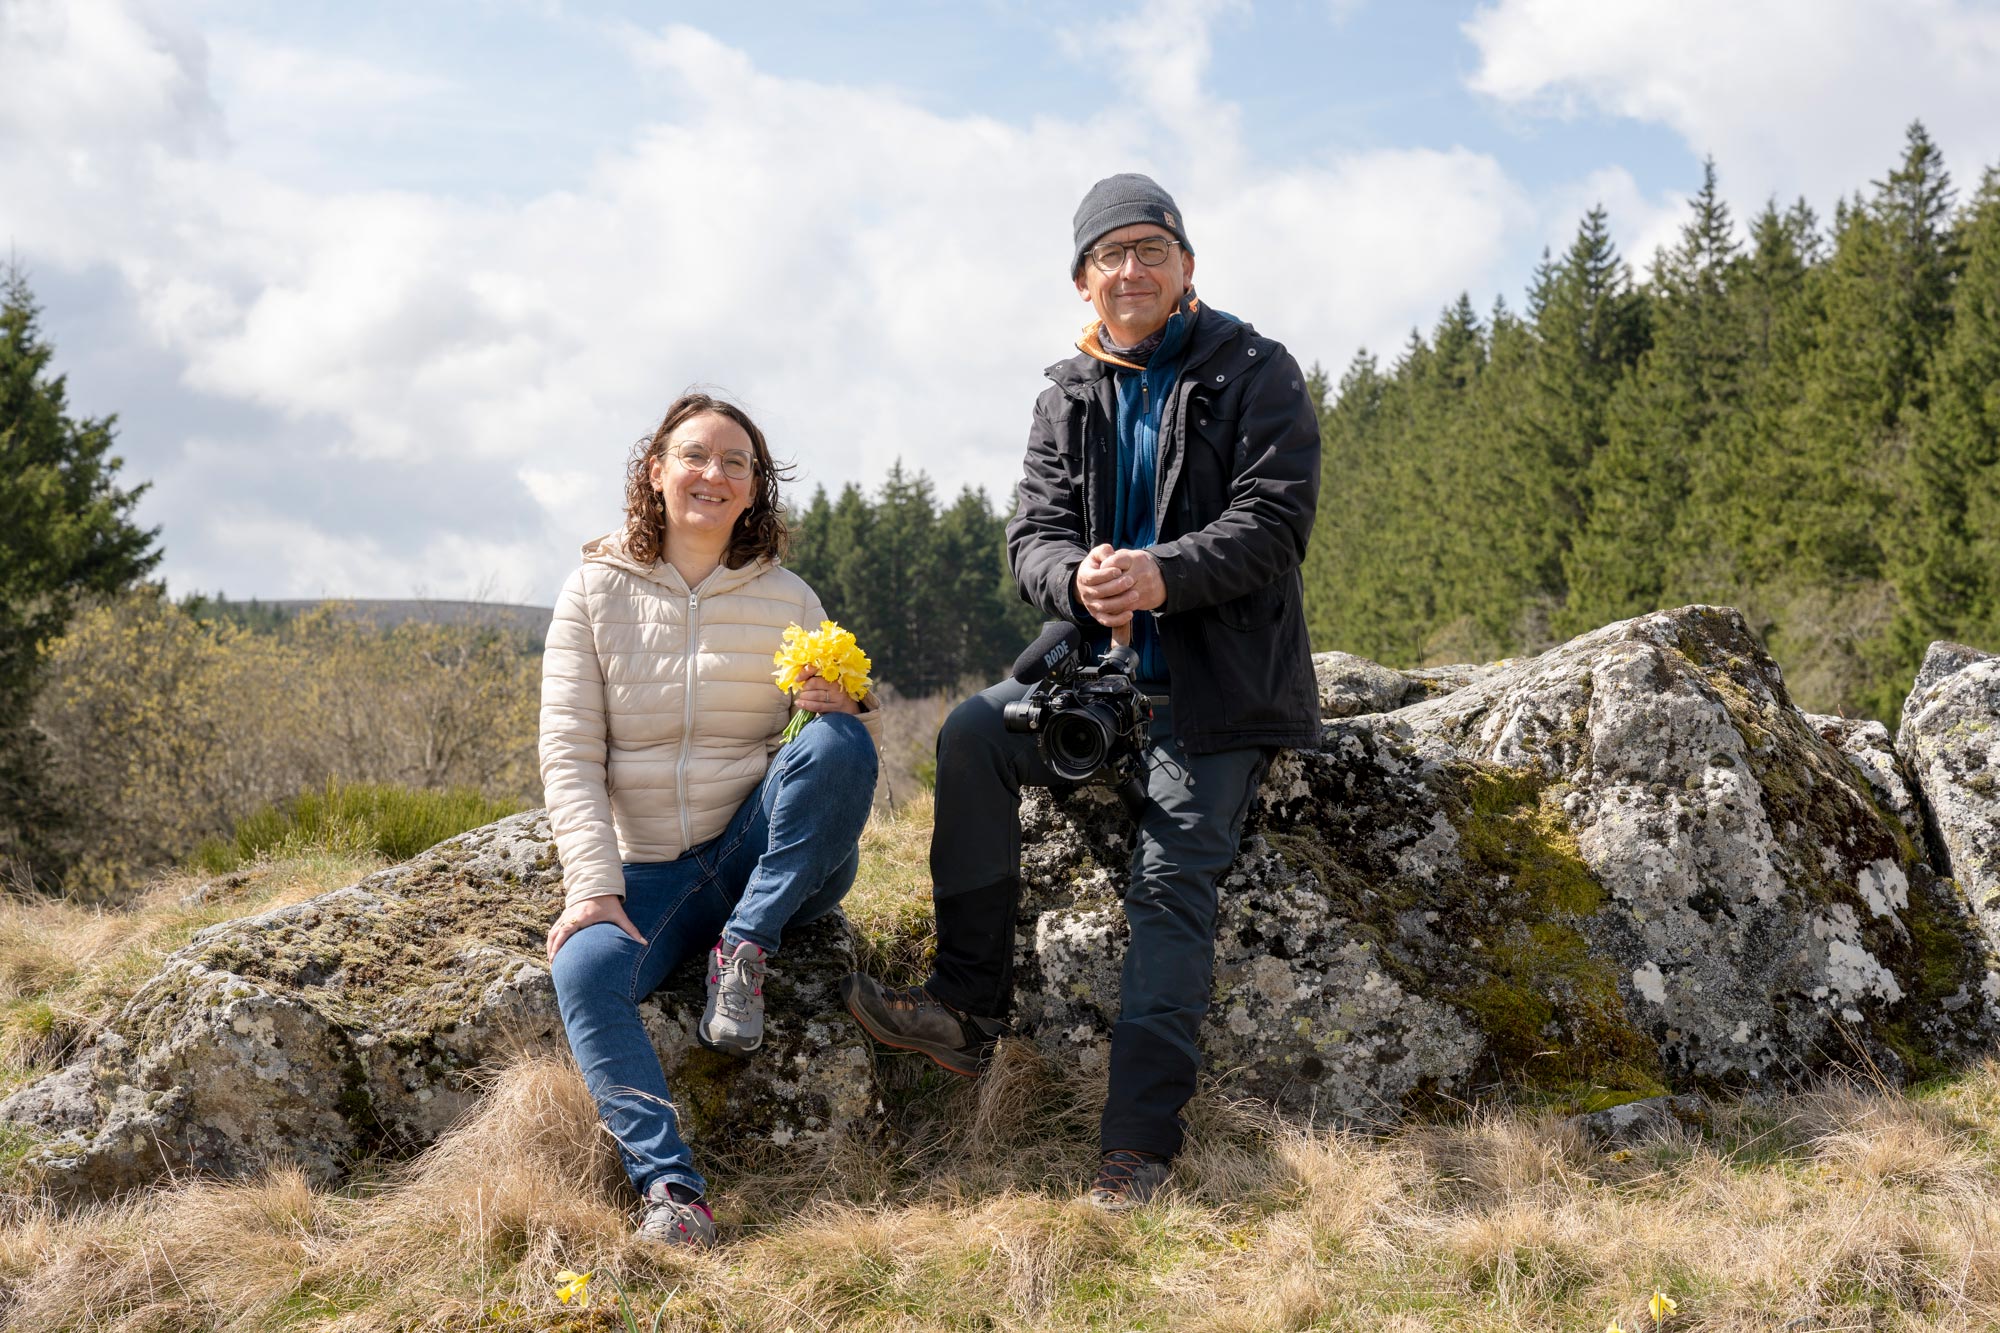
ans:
(687, 719)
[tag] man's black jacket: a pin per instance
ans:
(1238, 478)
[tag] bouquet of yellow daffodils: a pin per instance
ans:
(832, 653)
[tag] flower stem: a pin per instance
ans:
(791, 732)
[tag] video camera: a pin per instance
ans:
(1091, 722)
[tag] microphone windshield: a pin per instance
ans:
(1058, 640)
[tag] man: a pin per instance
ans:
(1169, 486)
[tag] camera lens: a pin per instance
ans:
(1077, 741)
(1021, 714)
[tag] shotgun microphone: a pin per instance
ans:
(1058, 642)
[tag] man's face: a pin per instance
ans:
(1132, 299)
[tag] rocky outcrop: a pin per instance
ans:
(1350, 686)
(357, 1023)
(1624, 868)
(1629, 864)
(1950, 738)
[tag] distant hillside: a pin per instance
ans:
(531, 622)
(389, 614)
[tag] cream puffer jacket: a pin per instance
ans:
(659, 712)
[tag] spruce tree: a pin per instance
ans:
(66, 533)
(811, 556)
(1949, 576)
(1658, 422)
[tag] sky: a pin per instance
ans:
(383, 294)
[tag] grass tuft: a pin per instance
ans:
(381, 819)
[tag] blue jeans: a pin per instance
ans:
(789, 854)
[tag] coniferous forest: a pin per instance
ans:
(926, 591)
(1797, 418)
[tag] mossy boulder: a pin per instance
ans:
(1626, 866)
(358, 1024)
(1950, 738)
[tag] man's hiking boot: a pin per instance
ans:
(910, 1018)
(671, 1221)
(1128, 1178)
(733, 1019)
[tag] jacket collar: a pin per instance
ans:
(610, 550)
(1091, 341)
(1078, 375)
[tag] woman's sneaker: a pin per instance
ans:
(672, 1222)
(1128, 1178)
(733, 1018)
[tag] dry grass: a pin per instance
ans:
(66, 968)
(890, 902)
(1845, 1208)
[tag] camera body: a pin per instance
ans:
(1091, 723)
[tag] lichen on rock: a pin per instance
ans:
(1626, 865)
(357, 1023)
(1950, 738)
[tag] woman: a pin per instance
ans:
(681, 825)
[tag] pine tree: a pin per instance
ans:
(1885, 295)
(1658, 421)
(984, 622)
(66, 532)
(849, 595)
(1723, 547)
(811, 558)
(1949, 578)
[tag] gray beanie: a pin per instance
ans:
(1119, 201)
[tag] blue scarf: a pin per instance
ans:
(1142, 397)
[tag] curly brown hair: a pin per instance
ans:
(761, 530)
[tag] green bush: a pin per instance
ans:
(396, 822)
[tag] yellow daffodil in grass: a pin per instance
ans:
(832, 654)
(1661, 1305)
(573, 1287)
(1613, 1327)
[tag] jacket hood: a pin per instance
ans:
(610, 550)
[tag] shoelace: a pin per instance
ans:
(742, 972)
(1117, 1169)
(680, 1212)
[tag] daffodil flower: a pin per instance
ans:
(1661, 1305)
(1613, 1327)
(833, 655)
(573, 1287)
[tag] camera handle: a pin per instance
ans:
(1131, 792)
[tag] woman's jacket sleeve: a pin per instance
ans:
(573, 742)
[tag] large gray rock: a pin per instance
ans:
(356, 1023)
(1866, 745)
(1950, 738)
(1350, 686)
(1628, 863)
(1623, 867)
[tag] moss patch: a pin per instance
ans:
(1552, 1012)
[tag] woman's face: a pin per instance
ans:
(705, 504)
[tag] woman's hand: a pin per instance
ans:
(820, 695)
(588, 913)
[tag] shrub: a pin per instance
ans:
(165, 730)
(391, 821)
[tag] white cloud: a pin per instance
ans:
(1791, 96)
(875, 280)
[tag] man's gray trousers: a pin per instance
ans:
(1188, 832)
